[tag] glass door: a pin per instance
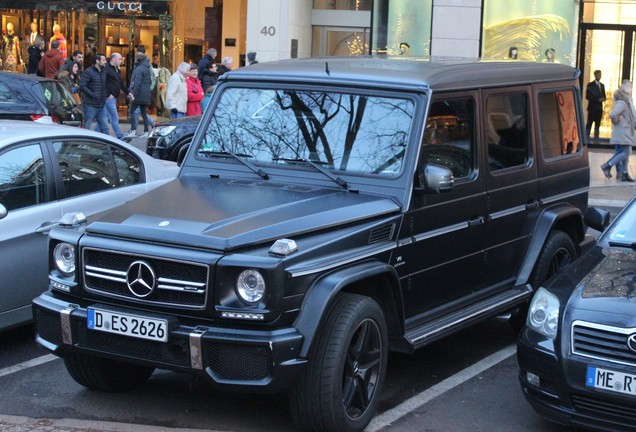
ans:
(610, 49)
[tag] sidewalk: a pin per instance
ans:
(609, 194)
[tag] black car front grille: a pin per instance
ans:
(239, 362)
(602, 342)
(607, 410)
(177, 283)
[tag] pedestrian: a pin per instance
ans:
(177, 93)
(70, 78)
(140, 89)
(623, 117)
(115, 84)
(209, 76)
(76, 57)
(195, 92)
(134, 111)
(36, 51)
(52, 61)
(210, 56)
(595, 95)
(225, 66)
(94, 93)
(251, 58)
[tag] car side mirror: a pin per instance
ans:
(436, 178)
(597, 219)
(3, 211)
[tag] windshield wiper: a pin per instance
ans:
(631, 245)
(239, 157)
(316, 165)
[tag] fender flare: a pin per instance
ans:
(547, 220)
(321, 294)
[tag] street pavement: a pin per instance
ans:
(604, 193)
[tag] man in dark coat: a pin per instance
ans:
(207, 58)
(36, 51)
(595, 95)
(115, 84)
(94, 93)
(76, 57)
(140, 88)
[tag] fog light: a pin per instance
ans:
(533, 379)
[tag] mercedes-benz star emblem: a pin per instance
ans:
(631, 342)
(140, 279)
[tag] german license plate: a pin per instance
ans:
(128, 324)
(609, 380)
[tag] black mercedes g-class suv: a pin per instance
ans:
(327, 212)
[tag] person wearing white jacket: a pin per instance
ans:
(177, 92)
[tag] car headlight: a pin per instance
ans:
(543, 314)
(250, 286)
(64, 258)
(163, 130)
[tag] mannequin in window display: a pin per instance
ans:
(11, 51)
(57, 35)
(33, 35)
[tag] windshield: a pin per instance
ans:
(355, 133)
(624, 229)
(56, 94)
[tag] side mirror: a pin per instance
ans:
(3, 211)
(436, 178)
(596, 218)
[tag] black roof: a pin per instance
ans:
(400, 72)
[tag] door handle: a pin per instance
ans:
(46, 227)
(476, 222)
(533, 205)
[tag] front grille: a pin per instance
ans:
(239, 362)
(178, 283)
(175, 352)
(602, 342)
(607, 410)
(48, 326)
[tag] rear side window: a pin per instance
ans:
(56, 94)
(10, 96)
(560, 135)
(507, 130)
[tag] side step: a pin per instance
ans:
(462, 318)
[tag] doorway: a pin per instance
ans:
(610, 49)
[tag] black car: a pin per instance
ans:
(325, 214)
(577, 353)
(170, 140)
(30, 97)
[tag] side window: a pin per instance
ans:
(449, 137)
(86, 166)
(128, 167)
(22, 177)
(507, 130)
(558, 124)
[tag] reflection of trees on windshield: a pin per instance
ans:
(355, 133)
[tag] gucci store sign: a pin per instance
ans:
(119, 6)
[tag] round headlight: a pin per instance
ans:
(250, 286)
(64, 258)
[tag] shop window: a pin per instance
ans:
(402, 27)
(558, 124)
(355, 5)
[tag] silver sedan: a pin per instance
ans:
(45, 172)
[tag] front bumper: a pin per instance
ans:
(558, 400)
(232, 358)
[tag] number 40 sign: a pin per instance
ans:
(268, 31)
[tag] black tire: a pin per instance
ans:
(346, 369)
(557, 253)
(104, 374)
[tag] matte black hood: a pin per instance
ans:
(229, 214)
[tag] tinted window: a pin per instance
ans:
(86, 166)
(7, 95)
(449, 138)
(506, 130)
(558, 124)
(347, 132)
(22, 177)
(128, 167)
(55, 94)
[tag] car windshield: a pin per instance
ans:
(56, 94)
(355, 133)
(624, 229)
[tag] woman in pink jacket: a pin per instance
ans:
(195, 92)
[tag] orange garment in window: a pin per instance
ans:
(62, 40)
